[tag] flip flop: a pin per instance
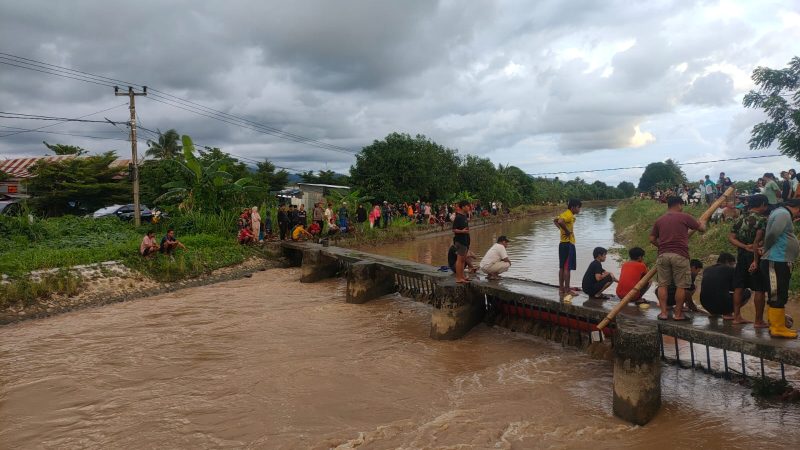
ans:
(682, 319)
(660, 317)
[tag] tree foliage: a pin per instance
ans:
(324, 177)
(778, 94)
(402, 168)
(4, 176)
(661, 174)
(64, 149)
(267, 177)
(207, 184)
(77, 184)
(627, 188)
(168, 145)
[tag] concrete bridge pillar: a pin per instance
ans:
(458, 309)
(366, 280)
(637, 372)
(317, 266)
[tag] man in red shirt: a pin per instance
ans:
(670, 235)
(630, 274)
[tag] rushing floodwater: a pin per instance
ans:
(267, 362)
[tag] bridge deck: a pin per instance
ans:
(701, 330)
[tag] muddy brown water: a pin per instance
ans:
(267, 362)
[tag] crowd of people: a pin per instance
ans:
(762, 236)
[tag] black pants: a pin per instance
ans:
(593, 289)
(777, 294)
(284, 228)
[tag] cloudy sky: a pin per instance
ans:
(548, 85)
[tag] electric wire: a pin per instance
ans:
(644, 167)
(169, 99)
(54, 124)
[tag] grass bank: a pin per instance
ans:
(30, 245)
(633, 221)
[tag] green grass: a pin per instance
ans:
(25, 291)
(633, 221)
(69, 241)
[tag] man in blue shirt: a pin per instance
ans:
(781, 249)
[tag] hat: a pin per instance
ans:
(502, 238)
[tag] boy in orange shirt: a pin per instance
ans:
(630, 274)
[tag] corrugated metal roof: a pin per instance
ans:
(18, 168)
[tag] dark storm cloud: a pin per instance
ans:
(574, 77)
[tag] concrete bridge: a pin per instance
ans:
(637, 338)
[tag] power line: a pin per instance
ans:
(644, 167)
(34, 130)
(20, 116)
(169, 99)
(54, 124)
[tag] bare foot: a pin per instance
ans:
(760, 324)
(462, 280)
(728, 317)
(740, 321)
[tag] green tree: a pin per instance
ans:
(77, 185)
(207, 184)
(168, 145)
(64, 149)
(779, 97)
(266, 176)
(627, 188)
(324, 177)
(402, 168)
(4, 176)
(666, 173)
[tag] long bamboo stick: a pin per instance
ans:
(651, 273)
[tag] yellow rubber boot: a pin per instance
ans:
(777, 324)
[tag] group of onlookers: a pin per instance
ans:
(149, 247)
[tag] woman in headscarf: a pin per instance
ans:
(255, 219)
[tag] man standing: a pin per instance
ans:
(781, 248)
(771, 188)
(745, 235)
(318, 215)
(302, 216)
(710, 188)
(343, 217)
(283, 221)
(496, 261)
(461, 239)
(566, 247)
(670, 235)
(361, 214)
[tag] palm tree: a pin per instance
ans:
(167, 147)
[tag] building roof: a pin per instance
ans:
(332, 186)
(18, 168)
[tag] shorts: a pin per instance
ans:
(673, 269)
(777, 292)
(566, 255)
(723, 306)
(743, 278)
(147, 251)
(461, 249)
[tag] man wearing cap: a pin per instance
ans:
(781, 249)
(496, 261)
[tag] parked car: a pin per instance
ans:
(10, 206)
(125, 212)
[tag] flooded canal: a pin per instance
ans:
(267, 362)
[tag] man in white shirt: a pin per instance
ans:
(496, 261)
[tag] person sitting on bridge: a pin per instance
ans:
(716, 289)
(300, 234)
(630, 274)
(496, 261)
(596, 279)
(670, 234)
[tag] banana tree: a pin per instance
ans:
(207, 185)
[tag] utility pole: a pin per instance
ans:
(137, 213)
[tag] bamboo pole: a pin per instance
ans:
(652, 272)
